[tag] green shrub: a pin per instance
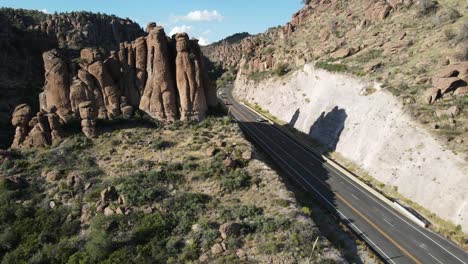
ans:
(235, 180)
(206, 234)
(281, 69)
(331, 66)
(270, 247)
(152, 226)
(242, 212)
(143, 188)
(425, 7)
(268, 225)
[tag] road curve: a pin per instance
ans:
(393, 236)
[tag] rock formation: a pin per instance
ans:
(142, 74)
(88, 119)
(26, 34)
(20, 120)
(57, 87)
(189, 79)
(159, 96)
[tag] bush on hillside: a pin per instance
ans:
(282, 69)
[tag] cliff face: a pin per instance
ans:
(25, 35)
(164, 77)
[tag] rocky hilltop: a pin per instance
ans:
(26, 34)
(164, 77)
(378, 85)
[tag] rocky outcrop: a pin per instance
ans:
(159, 96)
(88, 119)
(26, 34)
(20, 120)
(57, 87)
(189, 79)
(166, 78)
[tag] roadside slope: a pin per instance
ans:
(370, 127)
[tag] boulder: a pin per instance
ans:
(52, 176)
(75, 180)
(210, 151)
(21, 115)
(109, 194)
(56, 132)
(90, 55)
(453, 70)
(108, 211)
(431, 95)
(342, 53)
(20, 119)
(454, 111)
(229, 162)
(217, 249)
(159, 96)
(88, 122)
(447, 85)
(462, 91)
(247, 155)
(230, 230)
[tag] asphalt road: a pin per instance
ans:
(393, 236)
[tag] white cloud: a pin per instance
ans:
(201, 16)
(203, 41)
(180, 29)
(45, 11)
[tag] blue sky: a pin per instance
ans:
(208, 20)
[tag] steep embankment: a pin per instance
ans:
(410, 131)
(370, 127)
(26, 34)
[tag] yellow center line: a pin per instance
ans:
(358, 212)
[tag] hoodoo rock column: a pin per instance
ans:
(159, 99)
(142, 74)
(189, 81)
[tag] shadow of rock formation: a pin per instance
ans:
(294, 118)
(328, 127)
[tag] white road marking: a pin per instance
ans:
(355, 196)
(435, 258)
(388, 222)
(423, 246)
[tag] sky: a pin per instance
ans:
(207, 20)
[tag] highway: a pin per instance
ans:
(390, 234)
